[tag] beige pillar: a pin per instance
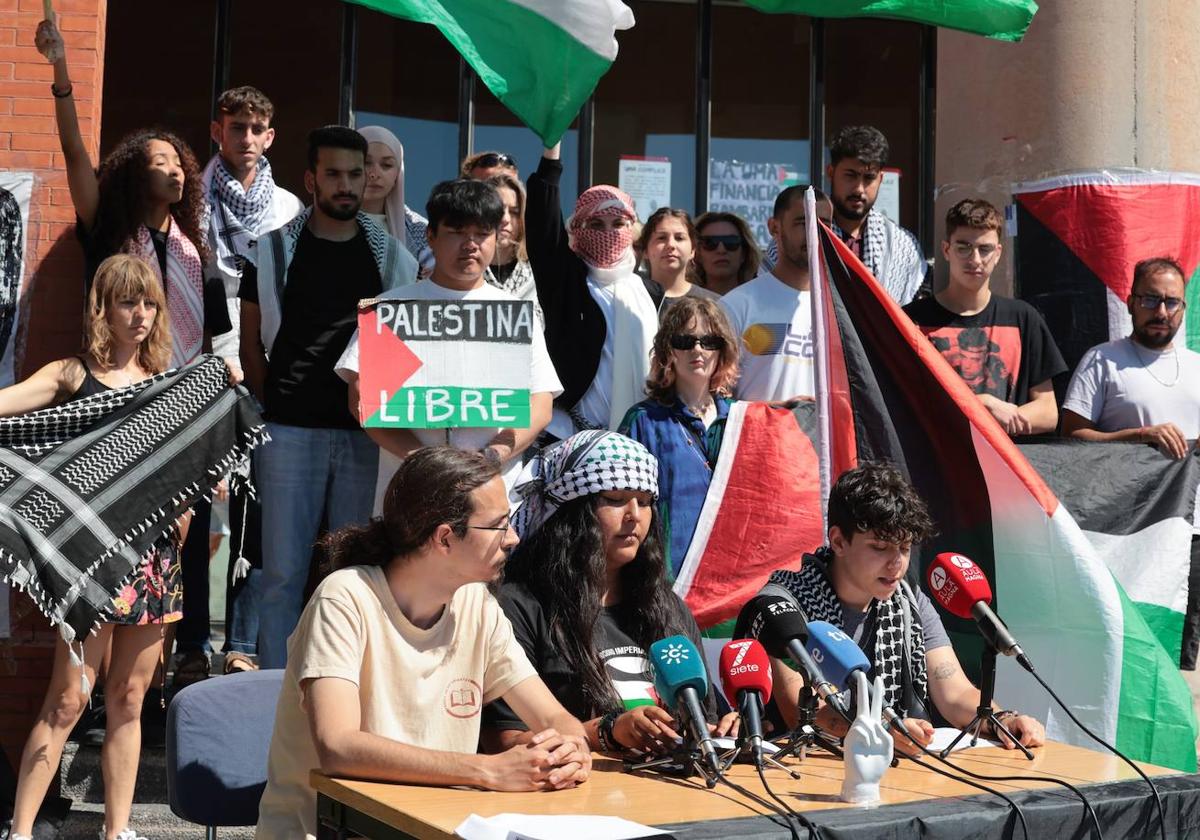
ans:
(1095, 84)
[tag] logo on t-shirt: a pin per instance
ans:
(463, 698)
(987, 358)
(777, 340)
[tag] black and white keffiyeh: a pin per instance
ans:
(893, 257)
(236, 215)
(86, 487)
(585, 463)
(815, 593)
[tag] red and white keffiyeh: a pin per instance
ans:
(184, 288)
(601, 248)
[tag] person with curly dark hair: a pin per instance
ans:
(857, 583)
(587, 593)
(146, 199)
(693, 367)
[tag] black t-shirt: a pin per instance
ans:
(624, 659)
(1003, 350)
(216, 313)
(325, 282)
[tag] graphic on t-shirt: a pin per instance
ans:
(987, 358)
(463, 698)
(777, 340)
(629, 670)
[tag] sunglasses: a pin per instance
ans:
(495, 159)
(707, 342)
(731, 243)
(1152, 302)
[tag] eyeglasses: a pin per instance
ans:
(965, 249)
(687, 342)
(507, 523)
(1152, 302)
(731, 243)
(495, 159)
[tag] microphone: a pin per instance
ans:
(680, 679)
(746, 679)
(782, 627)
(962, 589)
(836, 653)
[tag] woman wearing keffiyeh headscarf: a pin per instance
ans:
(600, 320)
(587, 593)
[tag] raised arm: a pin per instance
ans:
(545, 236)
(81, 173)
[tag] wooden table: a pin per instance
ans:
(382, 810)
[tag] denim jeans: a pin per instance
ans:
(243, 597)
(304, 476)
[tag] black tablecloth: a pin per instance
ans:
(1125, 811)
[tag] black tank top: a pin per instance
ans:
(90, 385)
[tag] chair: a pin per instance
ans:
(218, 735)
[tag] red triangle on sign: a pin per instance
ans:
(1111, 226)
(385, 362)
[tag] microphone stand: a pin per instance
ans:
(743, 748)
(683, 760)
(806, 733)
(983, 714)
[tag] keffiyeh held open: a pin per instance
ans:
(86, 487)
(585, 463)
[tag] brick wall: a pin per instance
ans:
(53, 270)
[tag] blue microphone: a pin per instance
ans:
(836, 653)
(682, 682)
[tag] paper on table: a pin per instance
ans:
(730, 743)
(943, 735)
(545, 827)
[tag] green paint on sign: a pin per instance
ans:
(453, 407)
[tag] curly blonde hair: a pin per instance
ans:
(660, 384)
(120, 277)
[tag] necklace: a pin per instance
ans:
(1146, 366)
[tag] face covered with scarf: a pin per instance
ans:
(602, 226)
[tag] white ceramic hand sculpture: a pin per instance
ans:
(867, 746)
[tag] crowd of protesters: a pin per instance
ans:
(643, 342)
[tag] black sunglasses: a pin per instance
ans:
(495, 159)
(731, 243)
(687, 342)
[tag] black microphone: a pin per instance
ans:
(777, 621)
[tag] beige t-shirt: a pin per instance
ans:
(420, 687)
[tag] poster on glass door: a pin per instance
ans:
(647, 180)
(749, 189)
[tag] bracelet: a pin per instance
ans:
(604, 732)
(1001, 716)
(61, 94)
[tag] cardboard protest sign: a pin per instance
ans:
(435, 364)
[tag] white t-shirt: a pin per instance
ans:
(774, 323)
(542, 379)
(284, 207)
(424, 688)
(596, 404)
(1120, 386)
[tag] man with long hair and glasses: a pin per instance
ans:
(399, 650)
(1146, 389)
(1000, 346)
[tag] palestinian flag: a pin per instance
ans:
(1079, 237)
(889, 395)
(541, 58)
(1004, 20)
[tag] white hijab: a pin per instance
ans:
(393, 204)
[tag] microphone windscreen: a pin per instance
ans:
(957, 583)
(677, 664)
(745, 667)
(774, 621)
(836, 652)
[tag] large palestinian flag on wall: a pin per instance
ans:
(891, 395)
(1079, 237)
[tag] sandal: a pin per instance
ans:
(191, 667)
(237, 662)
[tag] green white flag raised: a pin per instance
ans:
(1004, 20)
(541, 58)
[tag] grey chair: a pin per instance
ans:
(218, 735)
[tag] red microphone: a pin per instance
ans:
(746, 680)
(962, 589)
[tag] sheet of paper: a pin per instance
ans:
(729, 743)
(943, 735)
(544, 827)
